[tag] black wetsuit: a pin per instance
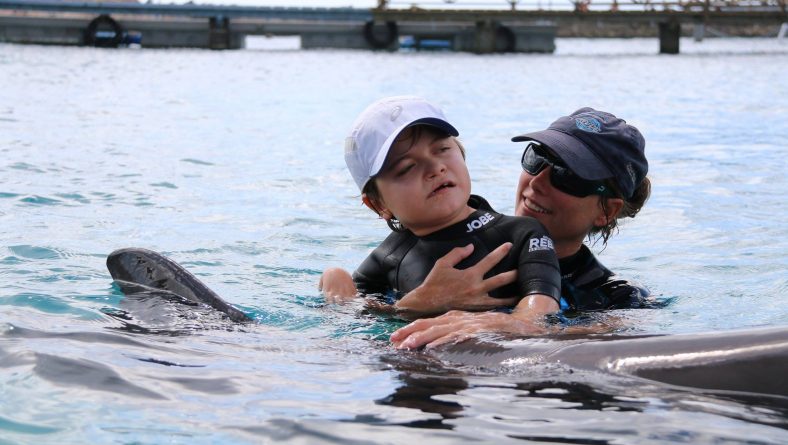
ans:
(403, 260)
(587, 285)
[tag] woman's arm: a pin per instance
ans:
(526, 319)
(447, 287)
(444, 289)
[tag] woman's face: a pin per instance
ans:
(567, 218)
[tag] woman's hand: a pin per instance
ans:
(447, 287)
(337, 285)
(456, 326)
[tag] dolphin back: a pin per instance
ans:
(152, 270)
(750, 360)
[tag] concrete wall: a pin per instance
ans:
(69, 29)
(535, 38)
(65, 31)
(350, 40)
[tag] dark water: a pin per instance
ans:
(230, 163)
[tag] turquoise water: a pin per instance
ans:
(230, 163)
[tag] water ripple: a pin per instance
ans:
(35, 252)
(25, 167)
(40, 200)
(14, 427)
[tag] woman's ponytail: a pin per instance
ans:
(630, 208)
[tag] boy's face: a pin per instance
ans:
(425, 182)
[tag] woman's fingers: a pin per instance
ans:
(402, 333)
(488, 262)
(496, 281)
(491, 260)
(453, 337)
(454, 256)
(423, 337)
(427, 330)
(422, 324)
(458, 326)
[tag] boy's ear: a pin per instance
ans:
(613, 207)
(376, 207)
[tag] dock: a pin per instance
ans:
(382, 28)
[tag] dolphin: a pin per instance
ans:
(750, 360)
(139, 270)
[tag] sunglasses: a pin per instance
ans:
(536, 158)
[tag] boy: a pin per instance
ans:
(410, 168)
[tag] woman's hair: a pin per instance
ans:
(371, 187)
(630, 208)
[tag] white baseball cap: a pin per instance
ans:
(376, 128)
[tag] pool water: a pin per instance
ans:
(231, 164)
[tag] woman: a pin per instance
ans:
(580, 175)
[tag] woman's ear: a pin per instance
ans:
(609, 211)
(376, 207)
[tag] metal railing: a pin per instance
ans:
(590, 5)
(192, 10)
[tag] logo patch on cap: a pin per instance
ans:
(631, 172)
(588, 124)
(396, 112)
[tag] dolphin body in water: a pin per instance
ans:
(142, 270)
(752, 360)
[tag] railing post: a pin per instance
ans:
(485, 37)
(699, 28)
(219, 32)
(669, 33)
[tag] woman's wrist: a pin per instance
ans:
(530, 314)
(421, 301)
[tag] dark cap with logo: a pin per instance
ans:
(596, 145)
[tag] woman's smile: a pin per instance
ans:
(529, 204)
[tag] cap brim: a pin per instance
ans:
(441, 124)
(437, 123)
(574, 152)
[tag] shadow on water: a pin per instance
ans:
(422, 380)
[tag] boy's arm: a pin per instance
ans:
(337, 285)
(447, 288)
(538, 271)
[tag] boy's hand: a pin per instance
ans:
(447, 287)
(337, 285)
